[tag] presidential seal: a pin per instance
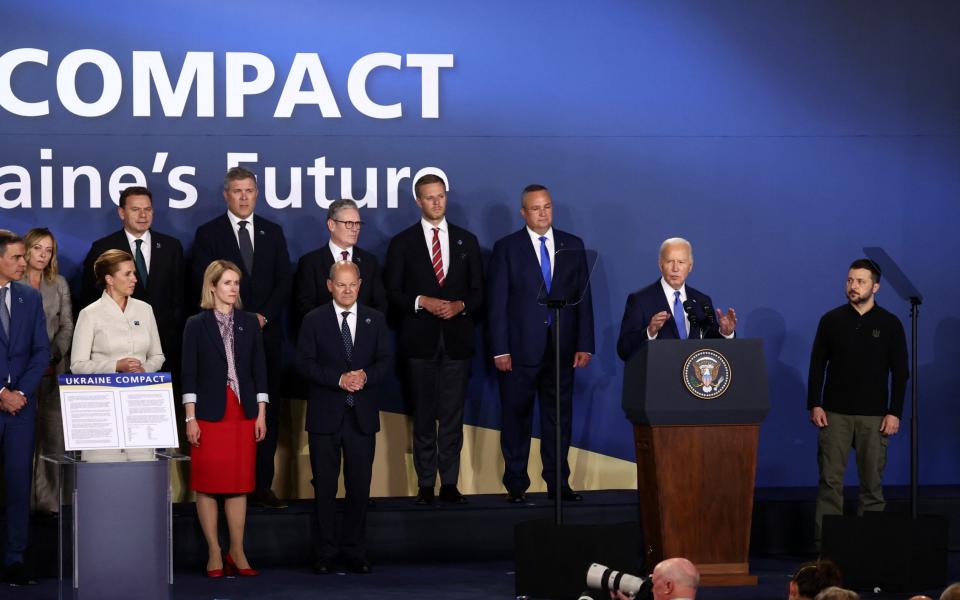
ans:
(706, 373)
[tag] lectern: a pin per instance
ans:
(696, 406)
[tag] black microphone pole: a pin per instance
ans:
(556, 305)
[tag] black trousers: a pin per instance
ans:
(357, 449)
(267, 449)
(438, 387)
(518, 390)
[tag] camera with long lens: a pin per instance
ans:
(608, 580)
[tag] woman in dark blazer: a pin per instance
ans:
(224, 382)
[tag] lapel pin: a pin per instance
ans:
(356, 259)
(240, 328)
(262, 232)
(367, 320)
(459, 242)
(158, 245)
(137, 323)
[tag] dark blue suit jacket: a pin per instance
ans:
(204, 371)
(322, 359)
(25, 354)
(267, 289)
(640, 308)
(517, 321)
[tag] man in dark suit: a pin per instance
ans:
(344, 352)
(434, 280)
(310, 282)
(657, 311)
(24, 355)
(159, 262)
(526, 265)
(259, 247)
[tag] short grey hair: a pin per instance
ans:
(675, 241)
(338, 205)
(340, 264)
(837, 593)
(238, 174)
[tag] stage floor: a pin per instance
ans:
(462, 581)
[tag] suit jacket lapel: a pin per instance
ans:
(17, 314)
(213, 330)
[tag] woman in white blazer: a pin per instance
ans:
(116, 334)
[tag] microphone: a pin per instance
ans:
(694, 314)
(710, 319)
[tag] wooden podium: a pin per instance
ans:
(696, 406)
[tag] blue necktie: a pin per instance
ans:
(545, 262)
(347, 347)
(4, 313)
(678, 316)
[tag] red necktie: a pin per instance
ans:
(437, 257)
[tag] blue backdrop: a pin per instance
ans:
(779, 137)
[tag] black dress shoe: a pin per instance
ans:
(450, 493)
(424, 496)
(266, 499)
(567, 494)
(355, 564)
(323, 566)
(16, 574)
(516, 498)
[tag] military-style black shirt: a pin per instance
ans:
(861, 355)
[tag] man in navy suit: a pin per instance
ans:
(24, 355)
(525, 265)
(310, 282)
(657, 311)
(259, 247)
(434, 280)
(159, 262)
(344, 353)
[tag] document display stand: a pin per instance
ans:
(697, 455)
(118, 543)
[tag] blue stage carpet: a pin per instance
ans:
(475, 581)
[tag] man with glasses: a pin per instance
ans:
(310, 282)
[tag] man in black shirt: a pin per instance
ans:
(862, 348)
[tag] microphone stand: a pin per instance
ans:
(915, 302)
(556, 305)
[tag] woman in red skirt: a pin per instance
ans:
(224, 395)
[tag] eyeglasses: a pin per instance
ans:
(351, 225)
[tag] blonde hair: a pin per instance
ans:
(211, 277)
(109, 263)
(30, 240)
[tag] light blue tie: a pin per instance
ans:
(545, 262)
(678, 316)
(4, 313)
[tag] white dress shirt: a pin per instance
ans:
(144, 247)
(351, 323)
(6, 301)
(104, 334)
(337, 252)
(444, 236)
(535, 239)
(668, 292)
(235, 221)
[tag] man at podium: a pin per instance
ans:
(668, 309)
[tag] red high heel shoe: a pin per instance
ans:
(232, 568)
(214, 573)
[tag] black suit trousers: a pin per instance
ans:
(267, 449)
(357, 449)
(438, 387)
(518, 390)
